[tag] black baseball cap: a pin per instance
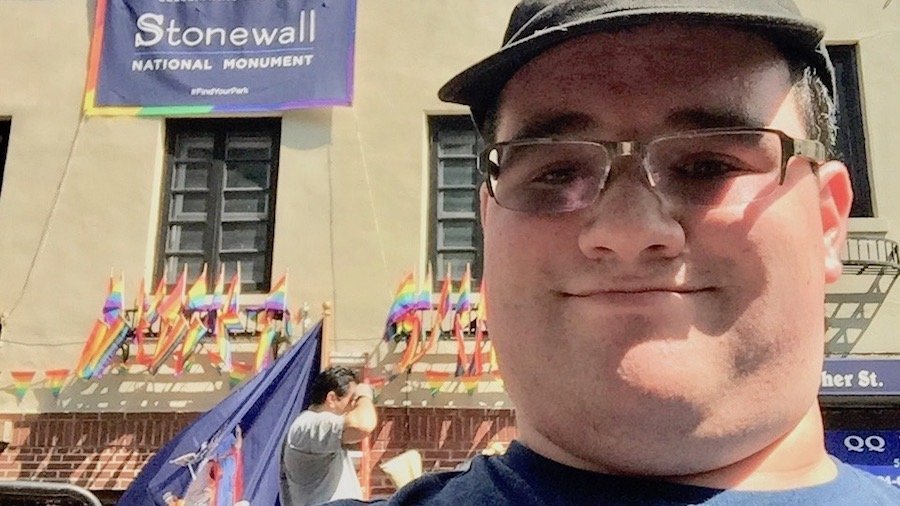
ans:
(537, 25)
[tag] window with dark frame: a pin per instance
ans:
(455, 234)
(4, 145)
(851, 137)
(219, 199)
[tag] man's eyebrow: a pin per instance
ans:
(697, 118)
(554, 125)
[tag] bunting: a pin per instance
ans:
(21, 382)
(435, 380)
(56, 378)
(469, 383)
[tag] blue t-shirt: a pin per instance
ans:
(522, 477)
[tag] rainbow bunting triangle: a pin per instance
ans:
(55, 380)
(436, 380)
(21, 382)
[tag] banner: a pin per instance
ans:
(874, 451)
(175, 57)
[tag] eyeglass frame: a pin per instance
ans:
(811, 149)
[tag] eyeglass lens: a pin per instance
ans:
(708, 169)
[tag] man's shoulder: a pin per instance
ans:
(473, 486)
(864, 486)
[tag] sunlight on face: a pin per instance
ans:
(679, 338)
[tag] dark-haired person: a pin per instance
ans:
(315, 464)
(662, 212)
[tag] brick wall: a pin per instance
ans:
(105, 451)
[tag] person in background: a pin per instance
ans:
(315, 465)
(662, 210)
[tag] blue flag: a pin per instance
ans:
(263, 409)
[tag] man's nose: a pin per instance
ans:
(630, 222)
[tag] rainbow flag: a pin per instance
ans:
(21, 382)
(55, 380)
(232, 318)
(462, 360)
(238, 373)
(115, 336)
(218, 297)
(405, 300)
(115, 298)
(443, 304)
(277, 299)
(263, 355)
(476, 366)
(423, 301)
(464, 301)
(435, 333)
(196, 295)
(169, 339)
(192, 338)
(406, 360)
(151, 314)
(91, 348)
(223, 346)
(435, 380)
(170, 307)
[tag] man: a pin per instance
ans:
(315, 465)
(661, 216)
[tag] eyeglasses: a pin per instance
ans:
(711, 167)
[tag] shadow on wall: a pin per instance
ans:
(871, 266)
(433, 382)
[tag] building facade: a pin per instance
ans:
(346, 199)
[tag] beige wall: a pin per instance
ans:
(352, 202)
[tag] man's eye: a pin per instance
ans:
(557, 176)
(705, 168)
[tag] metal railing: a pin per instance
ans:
(871, 255)
(44, 493)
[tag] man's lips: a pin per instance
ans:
(636, 291)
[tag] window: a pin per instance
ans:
(4, 144)
(220, 199)
(851, 139)
(455, 235)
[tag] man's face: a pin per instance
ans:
(341, 404)
(635, 334)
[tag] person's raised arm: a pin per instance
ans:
(360, 421)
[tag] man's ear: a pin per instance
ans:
(483, 197)
(331, 397)
(835, 199)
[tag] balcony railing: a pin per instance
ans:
(871, 255)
